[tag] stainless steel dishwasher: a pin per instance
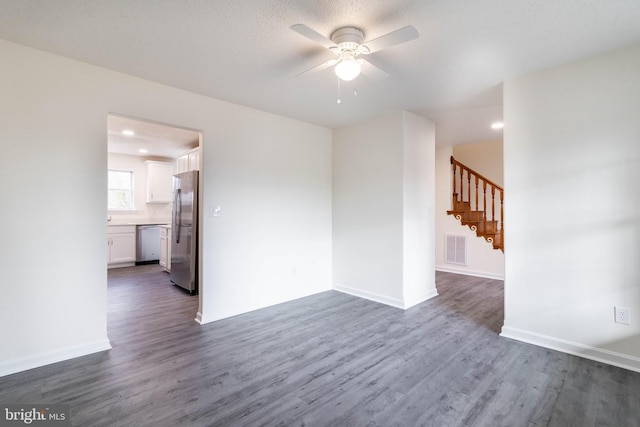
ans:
(148, 248)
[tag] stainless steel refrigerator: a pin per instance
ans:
(184, 230)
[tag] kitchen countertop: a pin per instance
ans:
(140, 222)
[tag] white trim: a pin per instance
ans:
(202, 320)
(383, 299)
(23, 364)
(473, 273)
(393, 302)
(410, 302)
(121, 264)
(588, 352)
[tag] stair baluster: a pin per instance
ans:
(476, 177)
(478, 220)
(461, 194)
(484, 201)
(455, 194)
(469, 188)
(493, 203)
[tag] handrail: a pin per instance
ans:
(479, 175)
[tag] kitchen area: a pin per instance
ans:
(152, 213)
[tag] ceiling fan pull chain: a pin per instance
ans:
(339, 101)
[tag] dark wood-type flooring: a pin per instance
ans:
(326, 360)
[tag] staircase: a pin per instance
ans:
(478, 211)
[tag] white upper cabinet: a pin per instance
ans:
(183, 163)
(194, 159)
(159, 181)
(189, 161)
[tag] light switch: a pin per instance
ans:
(215, 210)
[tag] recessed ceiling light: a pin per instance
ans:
(497, 125)
(128, 132)
(143, 150)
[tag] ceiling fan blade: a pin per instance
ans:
(393, 38)
(319, 67)
(312, 35)
(372, 71)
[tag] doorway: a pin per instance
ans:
(142, 159)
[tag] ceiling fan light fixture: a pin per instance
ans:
(348, 68)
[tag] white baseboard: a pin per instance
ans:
(120, 265)
(198, 318)
(410, 302)
(26, 363)
(464, 271)
(201, 320)
(204, 319)
(383, 299)
(588, 352)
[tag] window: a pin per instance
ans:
(120, 189)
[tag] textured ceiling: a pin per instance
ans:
(243, 51)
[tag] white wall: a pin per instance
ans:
(419, 182)
(270, 174)
(483, 157)
(142, 211)
(272, 178)
(572, 170)
(382, 209)
(482, 260)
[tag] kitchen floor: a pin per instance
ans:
(145, 297)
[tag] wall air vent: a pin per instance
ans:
(455, 249)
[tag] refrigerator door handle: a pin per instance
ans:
(177, 217)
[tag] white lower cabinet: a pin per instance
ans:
(121, 244)
(168, 267)
(165, 248)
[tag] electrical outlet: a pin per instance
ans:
(622, 315)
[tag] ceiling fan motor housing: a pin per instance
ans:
(348, 38)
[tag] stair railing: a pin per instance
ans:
(462, 182)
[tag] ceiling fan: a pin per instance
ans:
(348, 44)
